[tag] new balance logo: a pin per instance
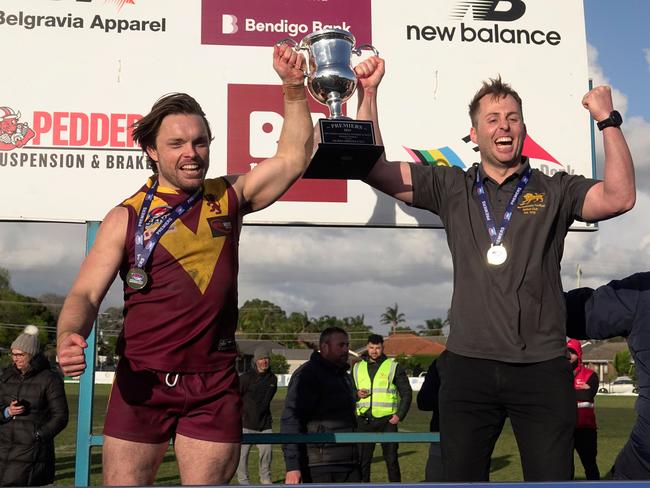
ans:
(490, 10)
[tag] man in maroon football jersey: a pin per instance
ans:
(175, 245)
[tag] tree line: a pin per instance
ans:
(258, 319)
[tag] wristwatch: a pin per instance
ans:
(614, 120)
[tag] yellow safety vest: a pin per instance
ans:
(384, 398)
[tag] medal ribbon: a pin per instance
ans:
(143, 252)
(497, 237)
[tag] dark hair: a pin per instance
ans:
(496, 88)
(146, 129)
(375, 339)
(329, 332)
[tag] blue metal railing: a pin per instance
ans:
(86, 440)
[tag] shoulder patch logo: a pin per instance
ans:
(220, 226)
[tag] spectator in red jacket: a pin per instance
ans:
(585, 382)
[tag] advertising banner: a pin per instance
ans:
(82, 71)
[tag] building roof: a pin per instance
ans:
(248, 346)
(603, 350)
(294, 354)
(411, 345)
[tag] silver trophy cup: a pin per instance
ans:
(347, 149)
(330, 77)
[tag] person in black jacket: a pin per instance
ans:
(321, 398)
(33, 410)
(428, 401)
(384, 398)
(257, 387)
(621, 308)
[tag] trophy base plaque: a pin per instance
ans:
(347, 150)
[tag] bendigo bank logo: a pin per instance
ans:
(490, 10)
(265, 22)
(255, 115)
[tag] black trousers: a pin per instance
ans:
(323, 474)
(633, 462)
(476, 397)
(433, 469)
(586, 445)
(389, 449)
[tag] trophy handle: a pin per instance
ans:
(370, 47)
(287, 40)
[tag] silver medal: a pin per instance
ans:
(497, 255)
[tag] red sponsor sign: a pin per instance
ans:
(255, 115)
(77, 129)
(265, 22)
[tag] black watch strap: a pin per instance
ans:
(614, 120)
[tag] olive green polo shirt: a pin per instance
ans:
(514, 312)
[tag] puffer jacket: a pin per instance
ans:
(27, 441)
(320, 399)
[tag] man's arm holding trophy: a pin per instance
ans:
(346, 148)
(392, 178)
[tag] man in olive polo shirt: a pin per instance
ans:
(506, 223)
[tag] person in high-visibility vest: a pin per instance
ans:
(585, 382)
(385, 396)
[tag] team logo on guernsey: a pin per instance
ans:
(213, 203)
(531, 203)
(220, 226)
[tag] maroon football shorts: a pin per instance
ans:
(151, 406)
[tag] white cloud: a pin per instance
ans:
(44, 245)
(347, 272)
(622, 245)
(598, 77)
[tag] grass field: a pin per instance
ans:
(615, 418)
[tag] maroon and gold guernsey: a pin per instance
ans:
(184, 320)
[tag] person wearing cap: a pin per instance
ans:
(585, 382)
(257, 387)
(33, 410)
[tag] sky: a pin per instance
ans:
(331, 271)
